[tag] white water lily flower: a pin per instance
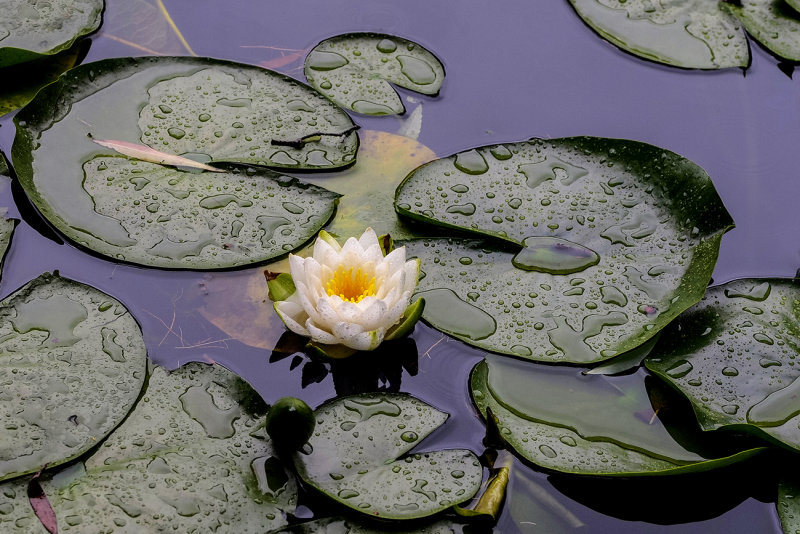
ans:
(350, 295)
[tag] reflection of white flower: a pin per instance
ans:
(349, 295)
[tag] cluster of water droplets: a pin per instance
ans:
(235, 116)
(353, 70)
(738, 362)
(356, 456)
(174, 218)
(55, 334)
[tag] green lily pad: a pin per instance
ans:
(591, 425)
(694, 34)
(7, 227)
(154, 215)
(4, 170)
(355, 69)
(335, 525)
(788, 505)
(30, 30)
(190, 457)
(237, 115)
(21, 82)
(733, 356)
(618, 238)
(357, 456)
(795, 4)
(773, 23)
(73, 364)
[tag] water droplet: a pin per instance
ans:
(387, 46)
(465, 209)
(568, 440)
(220, 201)
(204, 117)
(758, 292)
(198, 404)
(416, 70)
(547, 451)
(371, 108)
(323, 61)
(409, 437)
(460, 188)
(347, 494)
(465, 260)
(573, 342)
(612, 295)
(538, 173)
(500, 152)
(763, 338)
(293, 208)
(521, 350)
(729, 371)
(554, 255)
(679, 369)
(471, 162)
(778, 407)
(455, 316)
(457, 473)
(176, 133)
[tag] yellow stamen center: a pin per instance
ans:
(351, 285)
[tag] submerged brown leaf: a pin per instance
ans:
(145, 153)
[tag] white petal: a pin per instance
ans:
(391, 298)
(372, 314)
(328, 316)
(325, 254)
(290, 323)
(365, 340)
(394, 313)
(411, 269)
(373, 254)
(352, 246)
(368, 238)
(314, 287)
(349, 311)
(396, 259)
(309, 305)
(312, 267)
(292, 309)
(345, 330)
(381, 271)
(297, 268)
(395, 280)
(320, 335)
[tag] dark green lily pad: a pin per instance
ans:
(795, 4)
(190, 457)
(72, 365)
(618, 238)
(733, 356)
(354, 70)
(695, 34)
(7, 227)
(4, 170)
(357, 456)
(237, 115)
(335, 525)
(30, 30)
(154, 215)
(788, 505)
(773, 23)
(598, 426)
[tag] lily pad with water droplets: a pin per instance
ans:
(72, 366)
(31, 30)
(355, 71)
(733, 355)
(190, 457)
(694, 34)
(788, 504)
(773, 23)
(335, 525)
(359, 457)
(7, 227)
(599, 425)
(618, 237)
(154, 215)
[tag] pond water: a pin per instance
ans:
(515, 70)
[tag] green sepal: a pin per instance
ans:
(409, 320)
(281, 287)
(329, 239)
(334, 352)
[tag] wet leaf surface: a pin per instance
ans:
(7, 227)
(355, 71)
(189, 457)
(597, 426)
(733, 356)
(618, 237)
(334, 525)
(73, 364)
(235, 116)
(359, 457)
(163, 217)
(773, 23)
(696, 34)
(29, 30)
(788, 504)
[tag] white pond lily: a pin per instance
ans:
(349, 295)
